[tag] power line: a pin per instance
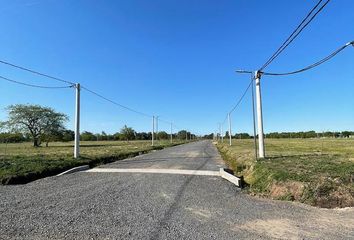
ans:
(32, 85)
(223, 122)
(65, 81)
(115, 103)
(35, 72)
(314, 64)
(71, 85)
(295, 33)
(238, 102)
(241, 98)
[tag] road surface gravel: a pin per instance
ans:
(86, 205)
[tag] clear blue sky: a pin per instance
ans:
(177, 59)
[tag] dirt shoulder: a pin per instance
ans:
(319, 179)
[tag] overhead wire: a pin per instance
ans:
(115, 103)
(241, 98)
(304, 23)
(35, 72)
(327, 58)
(72, 84)
(33, 85)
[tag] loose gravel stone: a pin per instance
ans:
(159, 206)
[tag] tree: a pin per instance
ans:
(182, 134)
(11, 137)
(127, 133)
(87, 136)
(162, 135)
(227, 134)
(68, 135)
(143, 136)
(103, 136)
(51, 136)
(35, 120)
(209, 136)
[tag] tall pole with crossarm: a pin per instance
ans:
(261, 150)
(77, 122)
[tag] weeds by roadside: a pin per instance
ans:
(24, 163)
(313, 171)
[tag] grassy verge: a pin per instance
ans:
(318, 172)
(22, 163)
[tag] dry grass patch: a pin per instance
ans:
(314, 171)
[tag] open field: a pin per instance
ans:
(314, 171)
(21, 162)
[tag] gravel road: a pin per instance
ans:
(87, 205)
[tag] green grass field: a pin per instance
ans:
(21, 162)
(314, 171)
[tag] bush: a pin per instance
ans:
(12, 138)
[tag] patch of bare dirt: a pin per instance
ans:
(341, 197)
(291, 190)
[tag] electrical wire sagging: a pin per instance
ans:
(36, 72)
(71, 84)
(241, 98)
(304, 23)
(33, 85)
(327, 58)
(115, 103)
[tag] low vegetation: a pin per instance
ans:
(21, 162)
(318, 171)
(26, 123)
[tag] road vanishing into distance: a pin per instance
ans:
(126, 205)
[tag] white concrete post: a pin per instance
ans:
(157, 128)
(261, 150)
(152, 130)
(230, 134)
(171, 132)
(77, 122)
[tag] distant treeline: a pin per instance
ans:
(308, 134)
(125, 134)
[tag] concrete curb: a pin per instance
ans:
(75, 169)
(231, 178)
(152, 170)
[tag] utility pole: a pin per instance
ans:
(157, 128)
(254, 123)
(186, 136)
(153, 131)
(171, 132)
(230, 135)
(77, 122)
(261, 149)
